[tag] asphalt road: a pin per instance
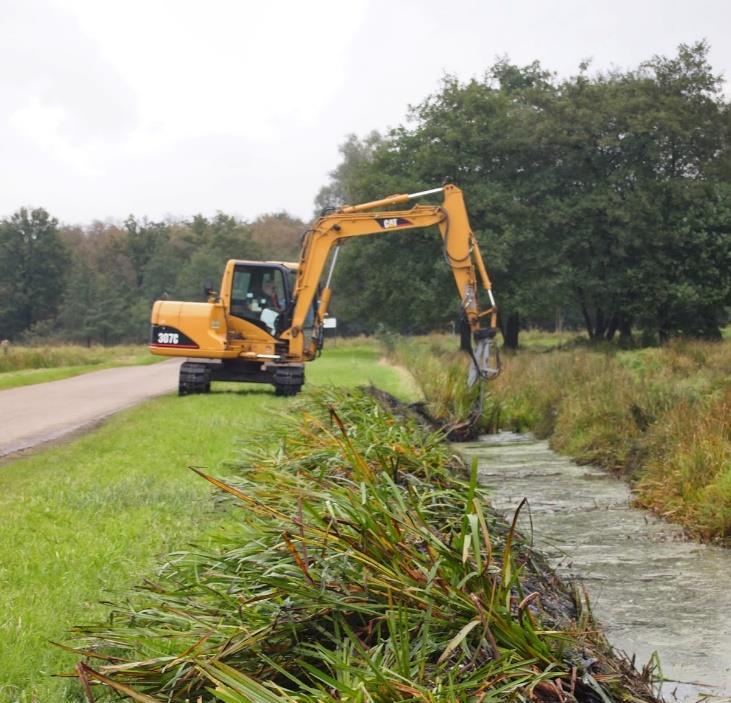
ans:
(33, 415)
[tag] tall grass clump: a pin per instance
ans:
(687, 476)
(362, 564)
(658, 416)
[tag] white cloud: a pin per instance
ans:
(43, 125)
(240, 68)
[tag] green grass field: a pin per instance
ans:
(87, 519)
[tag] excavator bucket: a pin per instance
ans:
(484, 361)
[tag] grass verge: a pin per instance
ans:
(364, 565)
(86, 519)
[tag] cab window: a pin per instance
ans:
(258, 294)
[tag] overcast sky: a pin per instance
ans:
(162, 107)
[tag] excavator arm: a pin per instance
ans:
(461, 252)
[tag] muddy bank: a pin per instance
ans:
(455, 430)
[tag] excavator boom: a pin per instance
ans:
(460, 249)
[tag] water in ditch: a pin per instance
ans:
(652, 590)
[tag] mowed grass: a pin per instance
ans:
(85, 520)
(23, 366)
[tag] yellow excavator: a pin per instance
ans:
(269, 317)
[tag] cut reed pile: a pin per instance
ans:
(362, 565)
(660, 417)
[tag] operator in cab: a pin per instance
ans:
(273, 299)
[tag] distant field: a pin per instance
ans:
(538, 340)
(22, 366)
(92, 517)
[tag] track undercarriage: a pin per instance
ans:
(196, 376)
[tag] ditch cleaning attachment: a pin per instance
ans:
(484, 358)
(484, 355)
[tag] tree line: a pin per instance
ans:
(601, 201)
(96, 285)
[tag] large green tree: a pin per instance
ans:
(603, 196)
(640, 195)
(485, 136)
(33, 265)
